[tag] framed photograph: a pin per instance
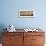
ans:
(26, 13)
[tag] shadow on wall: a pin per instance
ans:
(2, 26)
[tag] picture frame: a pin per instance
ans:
(26, 13)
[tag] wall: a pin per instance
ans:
(9, 13)
(10, 9)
